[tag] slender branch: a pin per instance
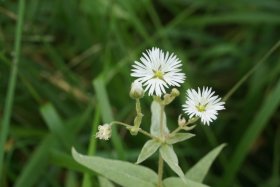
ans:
(12, 83)
(148, 134)
(175, 131)
(121, 123)
(182, 127)
(130, 126)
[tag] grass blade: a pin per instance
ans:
(12, 83)
(36, 165)
(262, 117)
(107, 114)
(55, 123)
(249, 73)
(91, 148)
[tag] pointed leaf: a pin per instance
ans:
(177, 182)
(170, 157)
(149, 148)
(155, 124)
(123, 173)
(179, 137)
(200, 169)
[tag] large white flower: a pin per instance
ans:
(203, 104)
(158, 70)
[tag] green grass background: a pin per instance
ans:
(73, 74)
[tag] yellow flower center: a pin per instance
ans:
(201, 108)
(158, 74)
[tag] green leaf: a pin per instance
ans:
(179, 137)
(200, 169)
(149, 148)
(170, 157)
(123, 173)
(177, 182)
(103, 182)
(155, 122)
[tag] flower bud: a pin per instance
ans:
(193, 120)
(104, 132)
(175, 92)
(136, 91)
(181, 121)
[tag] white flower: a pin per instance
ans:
(136, 90)
(158, 70)
(203, 104)
(104, 132)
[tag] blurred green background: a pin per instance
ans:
(74, 73)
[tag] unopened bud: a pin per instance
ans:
(175, 92)
(193, 120)
(168, 98)
(181, 121)
(136, 91)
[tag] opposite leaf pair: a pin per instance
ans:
(127, 174)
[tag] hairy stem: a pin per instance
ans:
(130, 126)
(160, 160)
(160, 171)
(161, 121)
(175, 131)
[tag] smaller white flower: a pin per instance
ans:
(104, 132)
(203, 104)
(136, 90)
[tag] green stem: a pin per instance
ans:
(148, 134)
(245, 77)
(160, 160)
(161, 121)
(139, 115)
(191, 121)
(160, 171)
(138, 107)
(130, 126)
(12, 84)
(175, 131)
(91, 148)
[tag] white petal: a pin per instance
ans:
(156, 60)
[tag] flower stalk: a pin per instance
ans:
(162, 136)
(160, 171)
(137, 120)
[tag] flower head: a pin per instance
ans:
(157, 71)
(136, 90)
(203, 104)
(104, 132)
